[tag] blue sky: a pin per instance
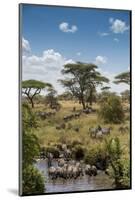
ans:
(74, 34)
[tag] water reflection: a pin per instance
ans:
(82, 183)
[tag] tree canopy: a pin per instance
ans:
(123, 78)
(106, 88)
(32, 88)
(111, 109)
(125, 95)
(84, 78)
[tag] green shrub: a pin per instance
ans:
(78, 152)
(96, 155)
(119, 167)
(62, 138)
(31, 147)
(32, 180)
(76, 142)
(53, 150)
(111, 110)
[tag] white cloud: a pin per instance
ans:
(78, 53)
(64, 26)
(111, 20)
(118, 88)
(103, 34)
(116, 39)
(69, 61)
(118, 26)
(99, 60)
(46, 67)
(25, 46)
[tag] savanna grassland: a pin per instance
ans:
(78, 133)
(49, 136)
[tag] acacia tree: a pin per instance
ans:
(67, 95)
(91, 95)
(123, 78)
(106, 88)
(83, 78)
(31, 88)
(51, 97)
(125, 95)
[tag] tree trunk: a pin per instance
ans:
(31, 101)
(91, 97)
(83, 102)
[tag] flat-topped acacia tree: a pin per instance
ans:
(124, 77)
(31, 88)
(83, 78)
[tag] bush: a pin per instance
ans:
(76, 142)
(119, 167)
(62, 138)
(78, 152)
(31, 147)
(33, 181)
(53, 150)
(111, 110)
(97, 156)
(29, 119)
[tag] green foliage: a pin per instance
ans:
(111, 110)
(65, 96)
(34, 84)
(113, 148)
(31, 88)
(123, 78)
(32, 180)
(84, 80)
(106, 88)
(76, 142)
(97, 154)
(29, 119)
(30, 149)
(119, 167)
(78, 152)
(53, 150)
(125, 95)
(51, 98)
(125, 180)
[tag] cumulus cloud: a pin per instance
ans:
(118, 88)
(118, 26)
(78, 53)
(103, 34)
(46, 67)
(64, 27)
(111, 20)
(116, 39)
(25, 46)
(99, 60)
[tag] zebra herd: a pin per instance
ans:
(71, 169)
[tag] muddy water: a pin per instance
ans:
(82, 183)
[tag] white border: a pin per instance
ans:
(9, 97)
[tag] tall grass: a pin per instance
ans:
(49, 135)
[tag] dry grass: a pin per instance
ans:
(49, 135)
